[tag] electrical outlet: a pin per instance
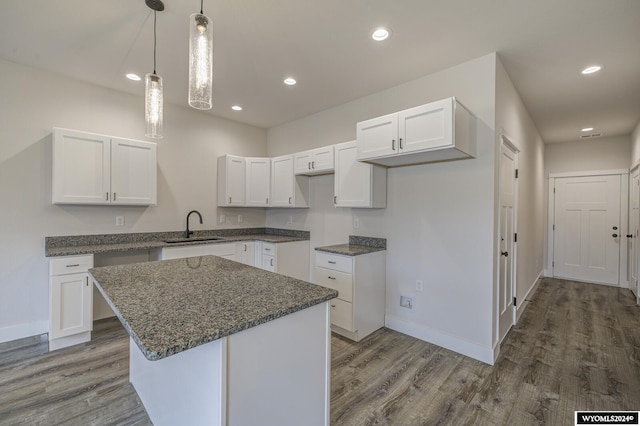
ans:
(419, 285)
(222, 218)
(356, 223)
(119, 220)
(240, 218)
(406, 302)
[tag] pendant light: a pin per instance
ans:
(200, 60)
(153, 104)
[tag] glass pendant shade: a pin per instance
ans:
(200, 61)
(153, 105)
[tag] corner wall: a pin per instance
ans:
(34, 101)
(439, 217)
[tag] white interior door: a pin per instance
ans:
(634, 224)
(508, 205)
(587, 229)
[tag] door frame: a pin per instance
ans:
(623, 278)
(505, 140)
(633, 259)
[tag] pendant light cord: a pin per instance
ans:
(201, 2)
(155, 17)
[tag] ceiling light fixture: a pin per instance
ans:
(587, 129)
(290, 81)
(153, 105)
(200, 60)
(236, 108)
(591, 69)
(380, 34)
(132, 76)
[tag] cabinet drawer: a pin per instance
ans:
(336, 280)
(70, 264)
(226, 250)
(334, 261)
(268, 248)
(342, 314)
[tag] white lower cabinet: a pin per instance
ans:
(245, 252)
(70, 301)
(360, 281)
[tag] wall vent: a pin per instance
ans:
(594, 135)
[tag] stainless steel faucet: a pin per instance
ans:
(188, 233)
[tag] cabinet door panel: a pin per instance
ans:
(269, 262)
(426, 127)
(302, 162)
(342, 314)
(323, 160)
(81, 168)
(336, 280)
(258, 181)
(133, 172)
(71, 305)
(282, 181)
(235, 181)
(352, 183)
(377, 137)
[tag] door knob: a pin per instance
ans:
(614, 235)
(629, 236)
(505, 253)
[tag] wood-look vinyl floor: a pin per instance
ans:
(576, 347)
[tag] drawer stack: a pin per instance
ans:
(360, 281)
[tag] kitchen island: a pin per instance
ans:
(217, 342)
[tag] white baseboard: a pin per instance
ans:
(522, 305)
(14, 332)
(454, 343)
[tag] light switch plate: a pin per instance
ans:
(119, 220)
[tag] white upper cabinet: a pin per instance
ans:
(258, 179)
(287, 190)
(231, 181)
(358, 184)
(133, 172)
(314, 162)
(442, 130)
(99, 169)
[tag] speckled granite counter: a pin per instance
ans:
(357, 245)
(103, 243)
(174, 305)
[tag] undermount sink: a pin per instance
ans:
(192, 240)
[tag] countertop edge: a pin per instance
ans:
(343, 249)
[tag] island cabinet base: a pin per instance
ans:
(277, 373)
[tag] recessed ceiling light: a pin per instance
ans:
(134, 77)
(587, 129)
(380, 34)
(290, 81)
(236, 108)
(591, 69)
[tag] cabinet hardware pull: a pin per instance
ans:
(335, 199)
(106, 197)
(504, 253)
(73, 266)
(614, 235)
(289, 200)
(245, 247)
(333, 306)
(332, 278)
(114, 196)
(229, 200)
(309, 166)
(393, 144)
(267, 249)
(400, 143)
(313, 164)
(267, 200)
(87, 282)
(331, 262)
(629, 236)
(271, 262)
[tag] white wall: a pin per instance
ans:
(591, 154)
(34, 101)
(513, 120)
(439, 217)
(635, 146)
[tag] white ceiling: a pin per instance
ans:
(325, 45)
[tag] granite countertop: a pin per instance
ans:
(173, 305)
(86, 244)
(357, 245)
